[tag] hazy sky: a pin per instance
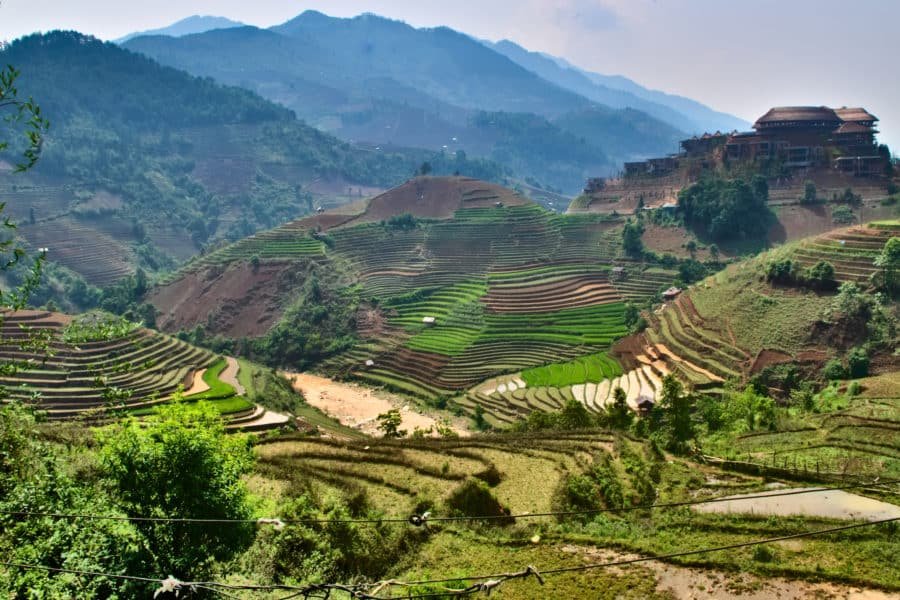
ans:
(738, 56)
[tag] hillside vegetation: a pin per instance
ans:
(145, 165)
(374, 80)
(465, 282)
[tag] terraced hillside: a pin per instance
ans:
(472, 283)
(735, 324)
(92, 367)
(524, 474)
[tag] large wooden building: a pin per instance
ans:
(812, 136)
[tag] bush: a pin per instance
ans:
(858, 363)
(834, 370)
(843, 215)
(782, 271)
(180, 463)
(809, 194)
(821, 276)
(763, 554)
(473, 498)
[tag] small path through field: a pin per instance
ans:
(229, 375)
(356, 406)
(198, 386)
(685, 583)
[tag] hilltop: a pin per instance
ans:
(187, 26)
(372, 79)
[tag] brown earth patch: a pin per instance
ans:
(236, 301)
(685, 583)
(358, 407)
(671, 240)
(437, 198)
(766, 358)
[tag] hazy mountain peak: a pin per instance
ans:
(620, 92)
(190, 25)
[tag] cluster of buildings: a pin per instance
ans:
(842, 139)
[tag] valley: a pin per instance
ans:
(355, 308)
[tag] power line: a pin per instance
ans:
(429, 519)
(498, 578)
(487, 582)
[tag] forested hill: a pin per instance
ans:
(380, 81)
(145, 164)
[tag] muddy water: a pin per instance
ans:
(825, 503)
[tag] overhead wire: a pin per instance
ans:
(439, 519)
(486, 583)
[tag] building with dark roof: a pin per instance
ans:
(811, 136)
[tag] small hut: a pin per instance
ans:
(671, 293)
(428, 321)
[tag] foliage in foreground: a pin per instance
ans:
(180, 462)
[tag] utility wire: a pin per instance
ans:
(496, 579)
(431, 519)
(487, 582)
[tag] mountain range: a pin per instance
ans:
(379, 81)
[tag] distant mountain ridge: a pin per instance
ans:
(188, 26)
(383, 82)
(709, 119)
(620, 92)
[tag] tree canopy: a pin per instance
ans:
(728, 209)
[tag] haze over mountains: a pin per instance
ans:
(380, 81)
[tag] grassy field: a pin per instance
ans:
(532, 473)
(592, 368)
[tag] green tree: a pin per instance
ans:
(821, 276)
(889, 263)
(858, 363)
(676, 406)
(631, 238)
(810, 195)
(618, 414)
(389, 424)
(574, 415)
(714, 251)
(691, 247)
(180, 463)
(34, 477)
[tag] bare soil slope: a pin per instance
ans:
(437, 198)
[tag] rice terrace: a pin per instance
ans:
(348, 308)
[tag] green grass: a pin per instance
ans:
(593, 368)
(218, 389)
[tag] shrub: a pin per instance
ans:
(763, 554)
(809, 194)
(843, 215)
(834, 369)
(474, 498)
(821, 276)
(858, 363)
(180, 463)
(782, 271)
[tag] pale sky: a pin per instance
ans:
(739, 56)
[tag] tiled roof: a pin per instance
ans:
(798, 113)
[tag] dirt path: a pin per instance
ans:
(198, 386)
(358, 407)
(685, 583)
(229, 375)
